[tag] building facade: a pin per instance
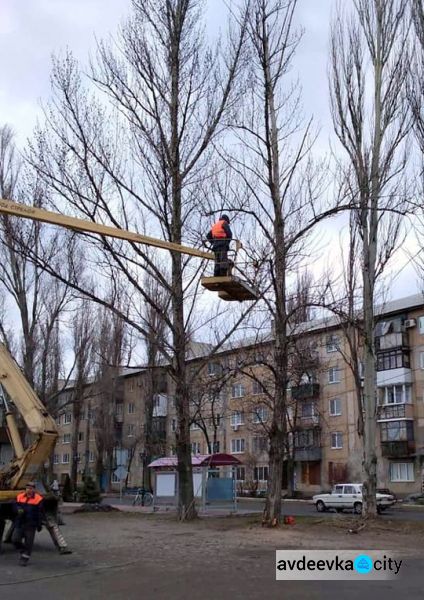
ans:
(231, 406)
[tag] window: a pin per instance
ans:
(240, 473)
(91, 457)
(131, 385)
(395, 394)
(214, 369)
(194, 426)
(421, 360)
(80, 436)
(67, 418)
(338, 489)
(174, 425)
(65, 459)
(259, 444)
(237, 418)
(237, 446)
(131, 408)
(421, 324)
(237, 390)
(394, 431)
(130, 430)
(58, 419)
(260, 414)
(332, 343)
(55, 459)
(335, 407)
(119, 408)
(393, 359)
(402, 471)
(213, 448)
(307, 410)
(333, 375)
(257, 388)
(336, 440)
(260, 474)
(66, 438)
(195, 447)
(349, 489)
(306, 438)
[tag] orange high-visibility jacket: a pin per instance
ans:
(22, 498)
(218, 231)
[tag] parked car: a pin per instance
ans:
(387, 492)
(349, 496)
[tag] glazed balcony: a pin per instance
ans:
(397, 449)
(305, 391)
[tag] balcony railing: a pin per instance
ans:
(395, 411)
(391, 340)
(308, 422)
(397, 449)
(308, 453)
(305, 390)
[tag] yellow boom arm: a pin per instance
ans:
(46, 216)
(42, 426)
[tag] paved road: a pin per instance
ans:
(297, 509)
(168, 561)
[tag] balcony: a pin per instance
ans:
(394, 376)
(391, 341)
(308, 453)
(395, 411)
(308, 422)
(118, 390)
(119, 414)
(305, 391)
(160, 405)
(397, 449)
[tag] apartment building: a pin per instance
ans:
(110, 422)
(231, 407)
(324, 407)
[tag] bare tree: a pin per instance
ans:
(416, 99)
(282, 191)
(139, 164)
(83, 339)
(371, 121)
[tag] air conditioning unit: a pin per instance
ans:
(409, 323)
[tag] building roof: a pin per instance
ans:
(198, 460)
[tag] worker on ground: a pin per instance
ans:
(29, 515)
(220, 235)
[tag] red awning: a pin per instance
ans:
(198, 460)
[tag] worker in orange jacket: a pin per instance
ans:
(29, 515)
(220, 235)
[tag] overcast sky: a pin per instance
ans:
(31, 31)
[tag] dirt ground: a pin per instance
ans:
(126, 556)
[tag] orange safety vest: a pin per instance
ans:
(218, 231)
(22, 498)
